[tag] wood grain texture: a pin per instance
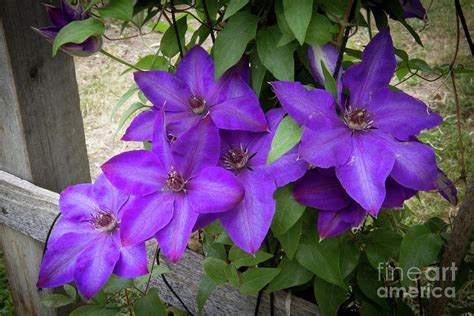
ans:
(29, 210)
(41, 130)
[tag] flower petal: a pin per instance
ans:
(301, 104)
(161, 87)
(241, 113)
(57, 267)
(327, 54)
(374, 72)
(333, 223)
(96, 263)
(65, 225)
(288, 168)
(107, 196)
(197, 70)
(235, 81)
(137, 172)
(143, 216)
(174, 237)
(214, 190)
(204, 220)
(321, 191)
(396, 194)
(197, 148)
(248, 223)
(363, 176)
(56, 15)
(401, 115)
(141, 128)
(324, 146)
(132, 262)
(77, 202)
(160, 140)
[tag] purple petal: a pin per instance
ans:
(327, 54)
(325, 147)
(65, 225)
(204, 220)
(56, 16)
(334, 223)
(197, 148)
(141, 128)
(396, 194)
(374, 72)
(196, 69)
(301, 104)
(107, 196)
(137, 172)
(401, 115)
(415, 164)
(413, 9)
(174, 237)
(248, 223)
(363, 176)
(143, 216)
(77, 202)
(235, 81)
(160, 140)
(57, 267)
(214, 190)
(321, 191)
(178, 123)
(132, 262)
(288, 168)
(49, 32)
(446, 188)
(90, 46)
(241, 113)
(96, 263)
(161, 87)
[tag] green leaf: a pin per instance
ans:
(215, 269)
(150, 62)
(320, 30)
(56, 300)
(242, 259)
(278, 60)
(127, 95)
(291, 239)
(77, 32)
(214, 249)
(157, 271)
(382, 245)
(368, 280)
(233, 7)
(281, 21)
(291, 274)
(288, 211)
(116, 283)
(287, 135)
(149, 305)
(329, 297)
(169, 45)
(349, 256)
(206, 287)
(329, 83)
(128, 113)
(118, 9)
(258, 72)
(232, 275)
(298, 15)
(420, 247)
(94, 310)
(70, 291)
(321, 258)
(253, 280)
(232, 40)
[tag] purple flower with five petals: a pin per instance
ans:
(370, 141)
(171, 185)
(85, 244)
(245, 154)
(338, 212)
(62, 16)
(192, 95)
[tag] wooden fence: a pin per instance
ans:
(42, 148)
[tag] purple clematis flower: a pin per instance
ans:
(371, 139)
(245, 154)
(338, 212)
(192, 95)
(62, 16)
(85, 244)
(172, 185)
(413, 9)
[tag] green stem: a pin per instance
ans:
(119, 60)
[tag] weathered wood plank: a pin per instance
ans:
(41, 129)
(29, 210)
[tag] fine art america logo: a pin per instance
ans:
(390, 274)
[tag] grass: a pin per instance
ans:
(6, 304)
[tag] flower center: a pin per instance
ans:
(104, 220)
(198, 104)
(175, 181)
(236, 158)
(357, 119)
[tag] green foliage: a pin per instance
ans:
(233, 7)
(291, 274)
(255, 279)
(169, 44)
(288, 211)
(118, 9)
(206, 287)
(215, 269)
(298, 15)
(329, 296)
(287, 135)
(77, 32)
(149, 305)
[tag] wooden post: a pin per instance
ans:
(41, 132)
